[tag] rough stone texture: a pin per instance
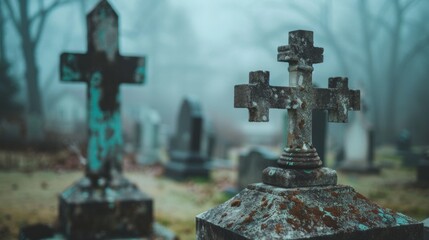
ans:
(116, 211)
(333, 212)
(290, 178)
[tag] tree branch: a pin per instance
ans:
(12, 15)
(43, 13)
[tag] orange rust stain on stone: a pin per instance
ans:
(293, 223)
(282, 206)
(330, 222)
(334, 211)
(335, 194)
(278, 228)
(236, 203)
(264, 203)
(263, 226)
(353, 209)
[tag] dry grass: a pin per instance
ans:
(27, 198)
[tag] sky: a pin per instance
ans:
(203, 48)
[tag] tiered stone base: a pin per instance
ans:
(183, 166)
(120, 211)
(330, 212)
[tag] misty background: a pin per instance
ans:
(204, 48)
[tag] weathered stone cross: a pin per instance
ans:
(300, 99)
(103, 69)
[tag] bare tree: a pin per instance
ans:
(30, 29)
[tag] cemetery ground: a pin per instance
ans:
(30, 183)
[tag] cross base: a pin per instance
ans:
(316, 213)
(299, 158)
(290, 178)
(103, 213)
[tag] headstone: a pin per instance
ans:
(403, 148)
(251, 163)
(359, 147)
(300, 199)
(423, 169)
(192, 145)
(426, 229)
(148, 140)
(104, 204)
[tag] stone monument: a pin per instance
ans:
(359, 147)
(104, 204)
(149, 137)
(192, 145)
(251, 163)
(299, 199)
(423, 169)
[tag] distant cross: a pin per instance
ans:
(300, 98)
(103, 69)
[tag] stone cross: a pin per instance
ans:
(300, 99)
(103, 69)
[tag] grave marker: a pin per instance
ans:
(359, 146)
(104, 204)
(252, 162)
(299, 199)
(192, 145)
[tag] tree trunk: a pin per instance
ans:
(34, 103)
(2, 35)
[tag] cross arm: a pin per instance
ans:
(338, 99)
(258, 96)
(132, 70)
(73, 67)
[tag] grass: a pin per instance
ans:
(31, 197)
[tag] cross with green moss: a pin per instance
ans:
(103, 69)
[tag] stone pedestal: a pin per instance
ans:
(262, 211)
(185, 165)
(113, 211)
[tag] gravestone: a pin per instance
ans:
(104, 204)
(359, 148)
(404, 149)
(192, 145)
(423, 169)
(148, 140)
(426, 229)
(251, 163)
(300, 199)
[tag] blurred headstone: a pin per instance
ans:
(403, 144)
(148, 141)
(359, 147)
(104, 204)
(404, 149)
(426, 228)
(300, 199)
(423, 169)
(252, 162)
(192, 145)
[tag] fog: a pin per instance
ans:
(204, 48)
